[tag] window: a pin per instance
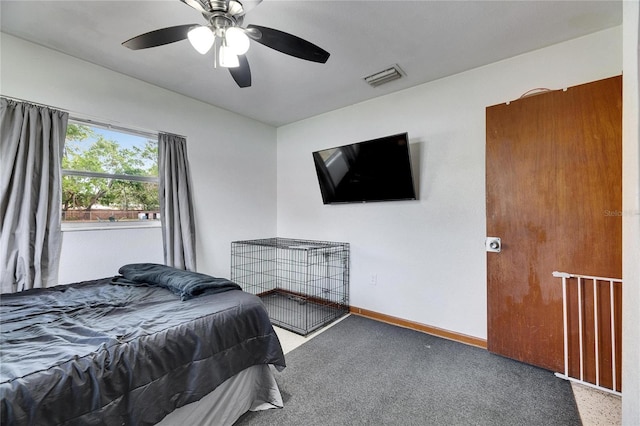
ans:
(109, 177)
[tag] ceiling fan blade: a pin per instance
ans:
(290, 44)
(242, 73)
(194, 4)
(159, 37)
(247, 5)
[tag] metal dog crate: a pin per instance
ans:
(304, 284)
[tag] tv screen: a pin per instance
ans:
(375, 170)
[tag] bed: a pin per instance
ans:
(126, 352)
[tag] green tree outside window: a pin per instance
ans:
(112, 174)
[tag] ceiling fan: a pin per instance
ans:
(230, 41)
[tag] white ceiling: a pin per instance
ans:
(427, 39)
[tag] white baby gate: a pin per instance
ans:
(582, 280)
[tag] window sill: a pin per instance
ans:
(109, 226)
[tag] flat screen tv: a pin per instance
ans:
(374, 170)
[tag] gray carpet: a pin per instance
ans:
(364, 372)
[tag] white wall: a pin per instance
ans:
(232, 158)
(631, 217)
(428, 255)
(96, 254)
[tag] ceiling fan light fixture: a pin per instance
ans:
(228, 58)
(237, 40)
(201, 38)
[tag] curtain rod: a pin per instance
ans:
(138, 132)
(84, 118)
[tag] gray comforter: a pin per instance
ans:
(95, 353)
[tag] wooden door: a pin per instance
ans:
(554, 163)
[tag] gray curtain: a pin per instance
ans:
(31, 147)
(176, 207)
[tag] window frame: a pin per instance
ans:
(94, 226)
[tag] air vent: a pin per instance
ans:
(382, 77)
